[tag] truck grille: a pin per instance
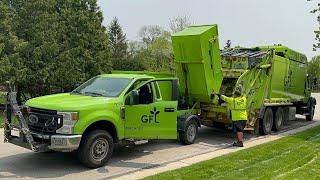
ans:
(44, 121)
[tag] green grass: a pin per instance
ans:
(293, 157)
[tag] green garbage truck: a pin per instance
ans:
(128, 106)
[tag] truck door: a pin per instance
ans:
(151, 117)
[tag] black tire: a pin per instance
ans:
(96, 149)
(190, 133)
(278, 119)
(266, 122)
(311, 113)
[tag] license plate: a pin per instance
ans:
(59, 142)
(15, 132)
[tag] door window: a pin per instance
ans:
(145, 94)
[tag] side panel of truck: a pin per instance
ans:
(157, 120)
(280, 80)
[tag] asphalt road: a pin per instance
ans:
(16, 162)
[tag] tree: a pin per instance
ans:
(179, 23)
(149, 34)
(155, 48)
(313, 71)
(10, 45)
(118, 44)
(316, 11)
(65, 44)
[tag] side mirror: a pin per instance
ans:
(133, 98)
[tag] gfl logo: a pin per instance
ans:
(152, 118)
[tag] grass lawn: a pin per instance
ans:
(293, 157)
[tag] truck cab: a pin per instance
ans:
(109, 109)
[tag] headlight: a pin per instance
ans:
(69, 120)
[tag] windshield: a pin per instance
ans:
(103, 86)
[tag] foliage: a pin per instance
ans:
(154, 49)
(63, 44)
(149, 34)
(117, 43)
(179, 23)
(316, 11)
(313, 71)
(293, 157)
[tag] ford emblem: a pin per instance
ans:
(33, 119)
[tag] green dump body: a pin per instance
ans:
(198, 62)
(271, 75)
(289, 74)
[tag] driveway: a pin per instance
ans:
(16, 162)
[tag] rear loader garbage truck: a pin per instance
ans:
(130, 106)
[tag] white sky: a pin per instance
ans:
(246, 22)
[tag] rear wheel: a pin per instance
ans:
(278, 119)
(266, 122)
(310, 116)
(189, 135)
(96, 149)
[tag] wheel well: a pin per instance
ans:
(103, 125)
(183, 119)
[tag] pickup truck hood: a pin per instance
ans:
(67, 102)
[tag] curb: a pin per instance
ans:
(207, 156)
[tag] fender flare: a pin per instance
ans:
(183, 120)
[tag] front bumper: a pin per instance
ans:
(44, 142)
(61, 143)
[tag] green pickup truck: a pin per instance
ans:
(108, 109)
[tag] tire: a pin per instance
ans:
(190, 133)
(96, 149)
(311, 113)
(278, 119)
(267, 122)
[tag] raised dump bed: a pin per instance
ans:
(198, 62)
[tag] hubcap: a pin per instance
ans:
(191, 132)
(100, 149)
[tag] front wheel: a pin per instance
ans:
(96, 149)
(189, 135)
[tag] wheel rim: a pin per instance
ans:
(100, 149)
(191, 132)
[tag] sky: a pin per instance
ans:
(246, 23)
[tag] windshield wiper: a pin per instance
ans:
(76, 92)
(94, 93)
